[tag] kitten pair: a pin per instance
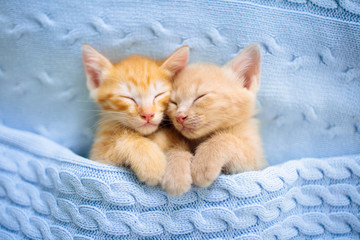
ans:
(211, 106)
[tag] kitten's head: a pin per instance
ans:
(207, 97)
(134, 92)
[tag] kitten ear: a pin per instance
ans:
(176, 61)
(95, 66)
(247, 66)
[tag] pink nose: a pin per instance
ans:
(181, 118)
(147, 116)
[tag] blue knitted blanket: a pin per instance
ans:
(309, 107)
(48, 192)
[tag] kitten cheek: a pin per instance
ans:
(157, 118)
(171, 111)
(162, 103)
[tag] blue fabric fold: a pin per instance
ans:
(46, 191)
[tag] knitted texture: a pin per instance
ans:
(47, 192)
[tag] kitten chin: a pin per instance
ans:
(193, 133)
(147, 129)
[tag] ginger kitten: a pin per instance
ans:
(214, 108)
(133, 95)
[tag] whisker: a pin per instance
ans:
(87, 101)
(90, 118)
(90, 110)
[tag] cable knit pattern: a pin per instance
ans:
(42, 193)
(309, 110)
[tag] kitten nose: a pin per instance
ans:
(147, 116)
(181, 118)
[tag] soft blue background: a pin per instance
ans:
(309, 97)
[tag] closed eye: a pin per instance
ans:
(199, 97)
(173, 102)
(129, 98)
(160, 94)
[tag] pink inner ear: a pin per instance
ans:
(177, 60)
(250, 81)
(93, 75)
(95, 64)
(246, 65)
(96, 81)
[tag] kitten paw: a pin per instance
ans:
(176, 185)
(152, 169)
(204, 174)
(177, 179)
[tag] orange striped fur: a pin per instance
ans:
(133, 96)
